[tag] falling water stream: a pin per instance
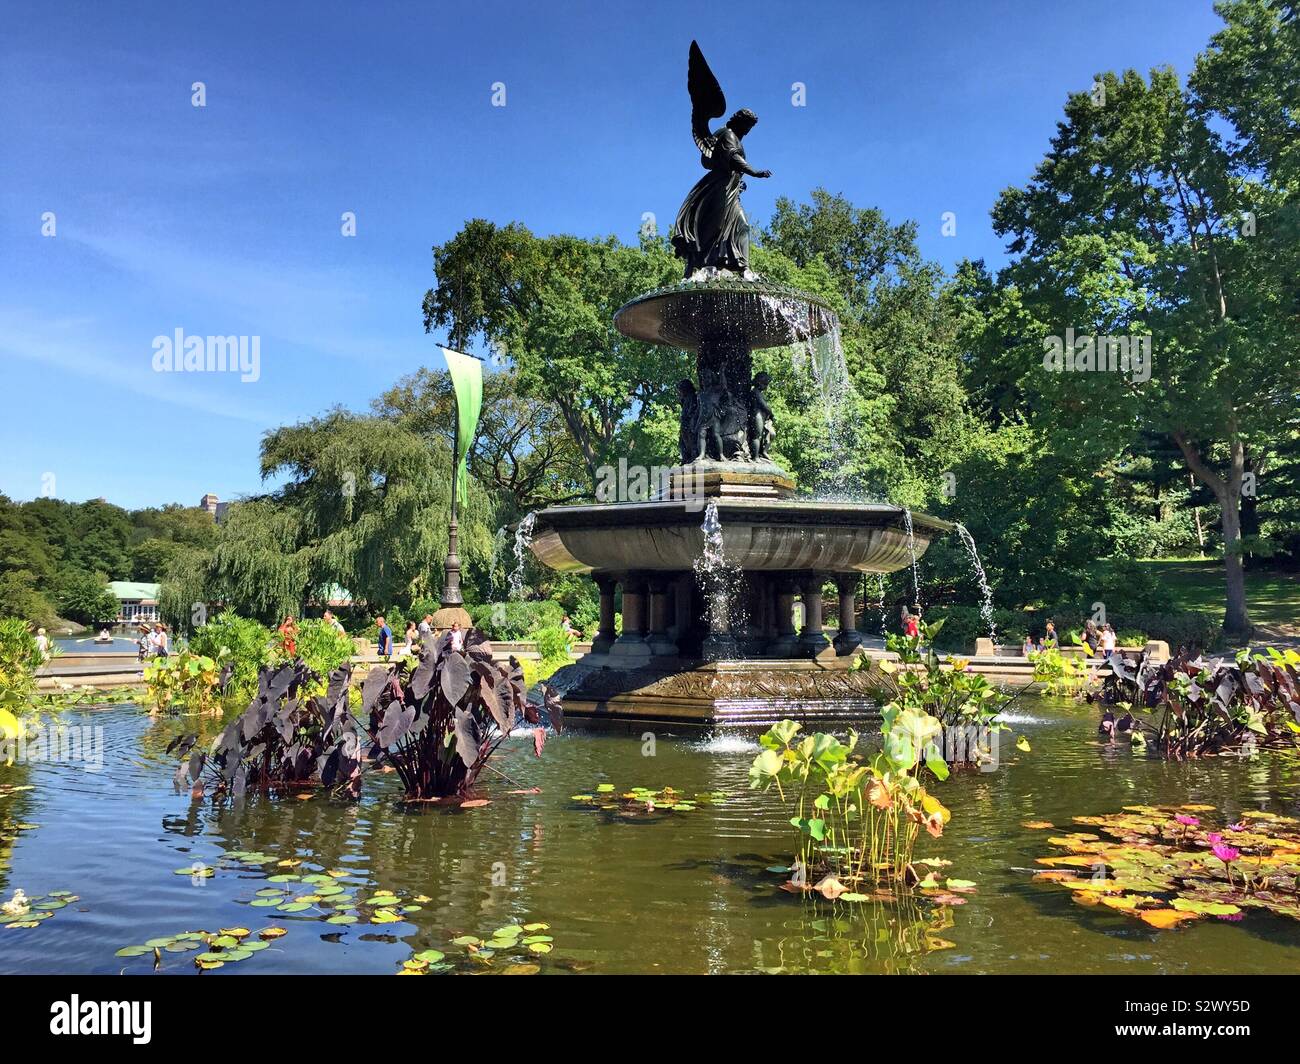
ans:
(499, 542)
(719, 581)
(523, 540)
(911, 547)
(986, 592)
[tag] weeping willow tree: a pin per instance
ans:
(363, 505)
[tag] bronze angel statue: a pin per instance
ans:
(711, 228)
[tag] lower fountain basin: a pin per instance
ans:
(783, 535)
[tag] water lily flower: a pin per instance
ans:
(1187, 821)
(1236, 827)
(1226, 854)
(1214, 837)
(17, 905)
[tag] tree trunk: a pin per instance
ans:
(1236, 621)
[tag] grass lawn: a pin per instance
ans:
(1273, 598)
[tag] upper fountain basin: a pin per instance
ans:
(725, 306)
(784, 535)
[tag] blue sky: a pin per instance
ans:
(225, 219)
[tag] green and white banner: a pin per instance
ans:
(467, 378)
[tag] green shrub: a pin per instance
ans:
(513, 621)
(323, 647)
(1179, 628)
(19, 659)
(962, 625)
(247, 643)
(552, 644)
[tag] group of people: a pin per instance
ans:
(1097, 640)
(153, 642)
(417, 634)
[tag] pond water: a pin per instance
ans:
(119, 644)
(686, 893)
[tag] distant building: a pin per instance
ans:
(214, 506)
(137, 602)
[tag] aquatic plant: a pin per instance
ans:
(642, 803)
(1061, 675)
(187, 678)
(28, 911)
(241, 643)
(944, 689)
(1190, 707)
(526, 942)
(284, 738)
(439, 722)
(217, 948)
(328, 896)
(858, 821)
(1164, 866)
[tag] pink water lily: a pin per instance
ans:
(1226, 854)
(1214, 837)
(1236, 827)
(1187, 821)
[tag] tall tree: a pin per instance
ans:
(546, 304)
(1136, 224)
(523, 451)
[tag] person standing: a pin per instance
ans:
(1091, 637)
(425, 628)
(333, 622)
(159, 641)
(911, 625)
(289, 637)
(457, 637)
(1049, 638)
(43, 644)
(1108, 642)
(385, 637)
(412, 637)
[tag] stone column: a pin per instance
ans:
(786, 644)
(849, 638)
(631, 644)
(813, 640)
(658, 640)
(606, 633)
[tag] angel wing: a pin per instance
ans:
(707, 100)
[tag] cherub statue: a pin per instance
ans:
(711, 228)
(715, 399)
(762, 428)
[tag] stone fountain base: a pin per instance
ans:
(715, 693)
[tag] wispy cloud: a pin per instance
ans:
(76, 345)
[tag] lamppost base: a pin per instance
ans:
(449, 615)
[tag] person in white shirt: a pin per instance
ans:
(43, 644)
(1107, 642)
(457, 637)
